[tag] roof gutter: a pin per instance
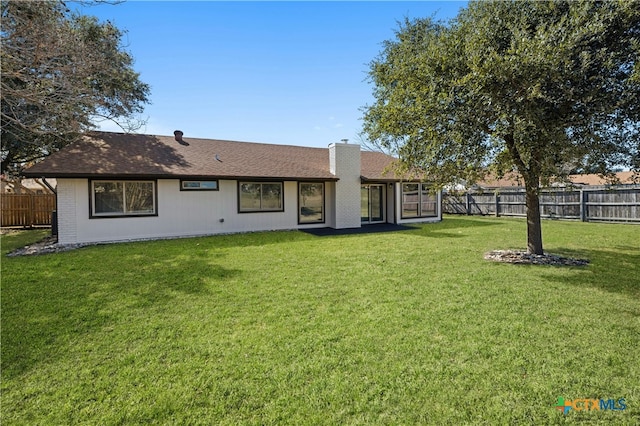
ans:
(112, 176)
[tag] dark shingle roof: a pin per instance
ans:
(377, 166)
(105, 154)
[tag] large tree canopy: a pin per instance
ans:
(61, 72)
(541, 88)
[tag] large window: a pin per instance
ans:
(310, 202)
(123, 198)
(417, 201)
(260, 196)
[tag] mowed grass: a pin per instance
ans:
(409, 327)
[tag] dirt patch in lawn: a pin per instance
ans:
(524, 258)
(45, 245)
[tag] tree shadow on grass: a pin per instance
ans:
(66, 299)
(432, 229)
(614, 271)
(366, 229)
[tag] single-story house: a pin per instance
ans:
(116, 186)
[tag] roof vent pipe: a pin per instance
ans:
(178, 135)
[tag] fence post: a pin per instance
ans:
(583, 206)
(468, 202)
(497, 195)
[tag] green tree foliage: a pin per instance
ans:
(61, 73)
(541, 88)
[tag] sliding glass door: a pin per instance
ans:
(372, 203)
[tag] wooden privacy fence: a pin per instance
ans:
(27, 209)
(619, 204)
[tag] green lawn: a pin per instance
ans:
(409, 327)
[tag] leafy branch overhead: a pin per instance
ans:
(540, 88)
(61, 73)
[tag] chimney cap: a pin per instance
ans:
(178, 136)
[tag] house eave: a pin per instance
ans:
(365, 179)
(176, 176)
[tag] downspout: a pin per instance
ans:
(48, 185)
(54, 214)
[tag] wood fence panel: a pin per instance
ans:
(587, 204)
(15, 209)
(512, 204)
(562, 204)
(43, 205)
(483, 204)
(27, 209)
(613, 205)
(455, 203)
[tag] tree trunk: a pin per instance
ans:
(531, 176)
(534, 226)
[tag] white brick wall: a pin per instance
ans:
(344, 163)
(66, 208)
(180, 213)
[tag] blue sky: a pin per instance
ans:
(274, 72)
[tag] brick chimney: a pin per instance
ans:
(344, 163)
